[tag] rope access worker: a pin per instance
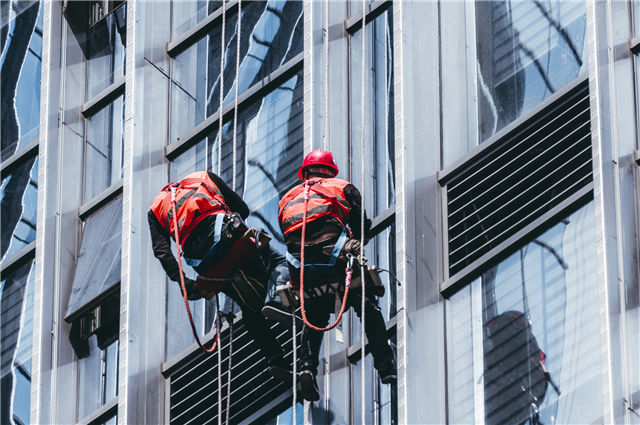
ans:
(210, 221)
(332, 233)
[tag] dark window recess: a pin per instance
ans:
(85, 15)
(523, 175)
(194, 384)
(103, 320)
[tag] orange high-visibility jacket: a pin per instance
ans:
(326, 198)
(197, 197)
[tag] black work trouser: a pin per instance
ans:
(248, 289)
(318, 310)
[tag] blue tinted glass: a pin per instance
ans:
(19, 207)
(271, 33)
(104, 147)
(526, 51)
(187, 13)
(537, 312)
(22, 398)
(20, 68)
(106, 50)
(268, 153)
(16, 316)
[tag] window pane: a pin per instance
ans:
(106, 48)
(527, 50)
(20, 68)
(540, 312)
(187, 13)
(271, 34)
(104, 146)
(16, 327)
(98, 377)
(19, 207)
(98, 265)
(269, 145)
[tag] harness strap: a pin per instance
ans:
(344, 237)
(211, 253)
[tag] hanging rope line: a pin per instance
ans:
(295, 362)
(362, 182)
(218, 328)
(233, 185)
(222, 51)
(347, 280)
(182, 284)
(325, 45)
(230, 318)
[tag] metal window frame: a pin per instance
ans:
(104, 98)
(21, 154)
(101, 414)
(100, 200)
(374, 9)
(198, 31)
(19, 258)
(258, 90)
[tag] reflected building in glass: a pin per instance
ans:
(497, 148)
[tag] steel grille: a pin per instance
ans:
(522, 175)
(194, 387)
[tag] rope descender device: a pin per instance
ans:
(182, 281)
(347, 280)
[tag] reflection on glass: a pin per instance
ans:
(19, 207)
(103, 148)
(98, 377)
(268, 153)
(271, 35)
(286, 417)
(527, 50)
(16, 334)
(20, 68)
(106, 47)
(539, 355)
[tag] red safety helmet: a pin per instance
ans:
(318, 157)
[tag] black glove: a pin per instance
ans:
(193, 291)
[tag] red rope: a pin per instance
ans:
(347, 280)
(182, 284)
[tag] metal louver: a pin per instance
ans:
(503, 192)
(194, 382)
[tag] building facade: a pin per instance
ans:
(496, 145)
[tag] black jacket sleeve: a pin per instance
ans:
(231, 198)
(355, 200)
(162, 247)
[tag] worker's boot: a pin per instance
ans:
(308, 385)
(279, 369)
(388, 373)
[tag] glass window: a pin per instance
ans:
(286, 417)
(16, 330)
(20, 68)
(19, 207)
(524, 340)
(527, 50)
(186, 13)
(103, 148)
(98, 264)
(269, 151)
(98, 377)
(271, 35)
(106, 50)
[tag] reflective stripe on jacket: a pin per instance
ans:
(197, 197)
(326, 198)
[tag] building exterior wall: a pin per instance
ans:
(114, 100)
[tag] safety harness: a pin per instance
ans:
(348, 271)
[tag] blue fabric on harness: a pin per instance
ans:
(322, 267)
(214, 254)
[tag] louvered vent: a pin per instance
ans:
(519, 177)
(194, 386)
